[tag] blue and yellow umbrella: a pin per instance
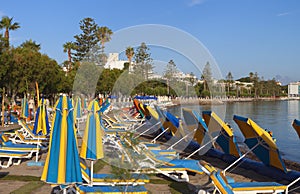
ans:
(260, 142)
(41, 123)
(62, 163)
(77, 108)
(194, 121)
(226, 139)
(24, 108)
(296, 125)
(92, 148)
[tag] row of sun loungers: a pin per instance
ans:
(121, 128)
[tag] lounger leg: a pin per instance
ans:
(9, 163)
(18, 162)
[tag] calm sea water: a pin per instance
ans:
(276, 116)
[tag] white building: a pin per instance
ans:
(113, 62)
(294, 89)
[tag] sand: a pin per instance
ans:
(196, 183)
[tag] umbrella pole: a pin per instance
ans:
(154, 140)
(171, 147)
(201, 147)
(92, 172)
(231, 165)
(37, 150)
(146, 130)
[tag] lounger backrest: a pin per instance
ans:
(220, 183)
(20, 135)
(3, 138)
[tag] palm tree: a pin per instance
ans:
(104, 35)
(68, 47)
(6, 23)
(129, 53)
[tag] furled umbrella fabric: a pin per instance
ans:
(91, 147)
(226, 139)
(77, 108)
(41, 123)
(25, 109)
(261, 143)
(62, 163)
(296, 125)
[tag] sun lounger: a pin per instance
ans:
(110, 179)
(7, 145)
(18, 137)
(28, 133)
(12, 158)
(118, 189)
(222, 184)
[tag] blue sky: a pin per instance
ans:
(242, 35)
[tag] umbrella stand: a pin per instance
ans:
(231, 165)
(201, 148)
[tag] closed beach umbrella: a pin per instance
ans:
(226, 139)
(92, 148)
(260, 142)
(62, 163)
(41, 123)
(24, 108)
(105, 105)
(77, 108)
(296, 125)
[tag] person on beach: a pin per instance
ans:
(271, 135)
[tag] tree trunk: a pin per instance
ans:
(69, 59)
(6, 36)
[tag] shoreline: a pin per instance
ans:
(220, 101)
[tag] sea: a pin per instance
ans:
(274, 115)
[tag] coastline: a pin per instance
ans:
(220, 101)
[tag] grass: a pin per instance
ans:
(20, 178)
(29, 187)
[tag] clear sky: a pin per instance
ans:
(243, 35)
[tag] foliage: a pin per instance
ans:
(143, 61)
(25, 65)
(207, 77)
(87, 40)
(68, 48)
(31, 45)
(103, 34)
(7, 24)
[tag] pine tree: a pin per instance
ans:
(143, 61)
(87, 41)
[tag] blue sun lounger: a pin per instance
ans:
(10, 156)
(110, 179)
(119, 189)
(7, 145)
(223, 185)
